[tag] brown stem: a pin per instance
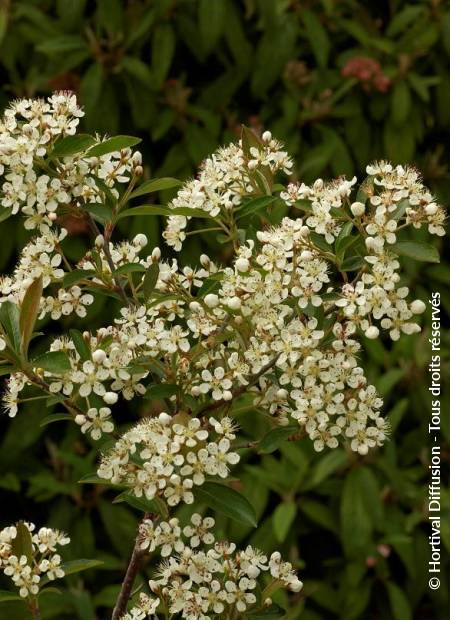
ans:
(128, 581)
(34, 608)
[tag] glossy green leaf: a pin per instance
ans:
(29, 310)
(155, 185)
(417, 250)
(71, 145)
(227, 501)
(111, 145)
(56, 362)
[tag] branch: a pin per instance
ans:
(130, 576)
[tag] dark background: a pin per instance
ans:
(342, 83)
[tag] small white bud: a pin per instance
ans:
(358, 209)
(304, 231)
(282, 393)
(252, 164)
(238, 320)
(418, 307)
(164, 418)
(372, 332)
(99, 356)
(205, 261)
(431, 209)
(195, 390)
(242, 264)
(234, 303)
(52, 217)
(194, 306)
(267, 136)
(110, 398)
(80, 419)
(211, 300)
(141, 240)
(99, 241)
(227, 395)
(156, 255)
(370, 243)
(306, 255)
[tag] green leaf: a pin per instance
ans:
(227, 501)
(274, 612)
(94, 479)
(317, 36)
(9, 318)
(71, 145)
(400, 103)
(327, 464)
(163, 390)
(129, 268)
(29, 310)
(110, 145)
(163, 49)
(55, 417)
(80, 344)
(9, 596)
(166, 211)
(283, 518)
(254, 205)
(56, 362)
(417, 250)
(22, 543)
(275, 437)
(211, 18)
(352, 263)
(75, 276)
(400, 605)
(75, 566)
(356, 521)
(5, 213)
(100, 213)
(155, 505)
(155, 185)
(150, 280)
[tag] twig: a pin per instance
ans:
(130, 576)
(34, 608)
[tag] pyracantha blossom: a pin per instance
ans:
(26, 571)
(202, 578)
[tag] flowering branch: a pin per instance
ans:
(281, 324)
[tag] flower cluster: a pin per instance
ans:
(224, 180)
(32, 186)
(27, 556)
(169, 455)
(203, 579)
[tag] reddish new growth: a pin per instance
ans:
(368, 72)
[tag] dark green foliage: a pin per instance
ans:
(342, 83)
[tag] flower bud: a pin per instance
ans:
(110, 398)
(242, 264)
(431, 209)
(99, 356)
(211, 300)
(304, 231)
(418, 307)
(141, 240)
(156, 255)
(234, 303)
(52, 217)
(205, 261)
(372, 332)
(358, 209)
(267, 136)
(227, 395)
(80, 419)
(99, 241)
(164, 418)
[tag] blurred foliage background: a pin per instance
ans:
(342, 83)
